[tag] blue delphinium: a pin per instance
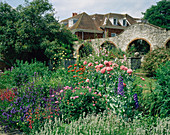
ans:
(120, 86)
(136, 100)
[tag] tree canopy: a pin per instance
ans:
(159, 14)
(31, 31)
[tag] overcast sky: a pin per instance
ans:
(65, 8)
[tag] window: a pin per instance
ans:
(124, 22)
(114, 21)
(113, 34)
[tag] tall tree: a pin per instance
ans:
(32, 31)
(159, 14)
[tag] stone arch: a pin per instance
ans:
(136, 40)
(167, 44)
(110, 42)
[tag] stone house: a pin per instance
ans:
(98, 25)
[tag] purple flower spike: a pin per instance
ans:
(120, 86)
(136, 100)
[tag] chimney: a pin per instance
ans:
(74, 14)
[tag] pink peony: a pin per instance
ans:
(109, 68)
(125, 68)
(100, 65)
(85, 62)
(106, 63)
(110, 62)
(90, 64)
(102, 70)
(96, 62)
(129, 71)
(97, 66)
(122, 67)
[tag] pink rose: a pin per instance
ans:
(129, 71)
(85, 62)
(56, 102)
(93, 104)
(96, 62)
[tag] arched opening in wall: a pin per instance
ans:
(108, 46)
(138, 45)
(168, 45)
(110, 49)
(85, 50)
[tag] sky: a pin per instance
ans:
(65, 8)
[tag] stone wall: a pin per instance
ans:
(153, 35)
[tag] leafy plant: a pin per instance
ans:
(155, 58)
(23, 72)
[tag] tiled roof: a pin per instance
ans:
(95, 22)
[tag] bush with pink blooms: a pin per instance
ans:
(74, 102)
(116, 81)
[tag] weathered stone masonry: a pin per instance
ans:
(153, 35)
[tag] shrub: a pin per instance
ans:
(73, 103)
(161, 94)
(153, 59)
(23, 73)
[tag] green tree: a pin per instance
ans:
(159, 14)
(31, 31)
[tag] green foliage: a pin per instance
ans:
(159, 14)
(23, 72)
(140, 46)
(153, 59)
(32, 31)
(161, 93)
(75, 103)
(85, 50)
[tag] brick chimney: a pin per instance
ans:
(74, 14)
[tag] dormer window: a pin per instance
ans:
(113, 21)
(72, 22)
(124, 22)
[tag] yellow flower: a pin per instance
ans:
(62, 68)
(55, 54)
(54, 58)
(53, 67)
(66, 59)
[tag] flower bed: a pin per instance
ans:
(89, 88)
